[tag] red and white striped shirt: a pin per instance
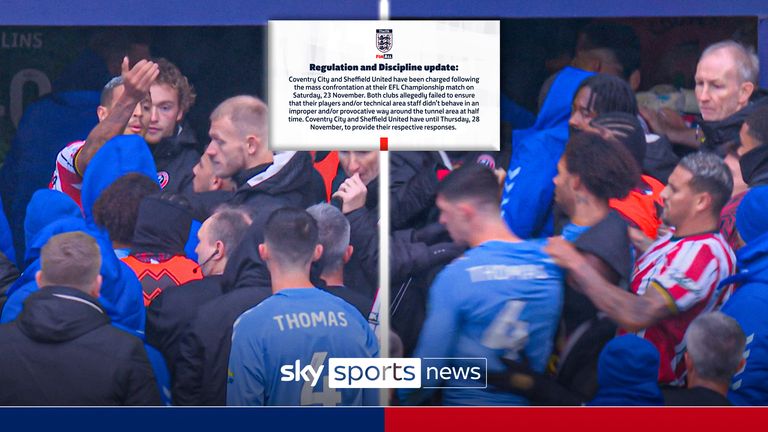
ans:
(687, 271)
(65, 176)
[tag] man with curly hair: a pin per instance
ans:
(173, 146)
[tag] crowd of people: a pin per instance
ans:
(143, 253)
(626, 265)
(609, 254)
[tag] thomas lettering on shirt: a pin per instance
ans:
(293, 321)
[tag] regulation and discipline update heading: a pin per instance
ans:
(408, 67)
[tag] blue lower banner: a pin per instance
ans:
(192, 419)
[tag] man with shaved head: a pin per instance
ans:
(265, 181)
(239, 136)
(239, 149)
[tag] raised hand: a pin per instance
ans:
(139, 78)
(352, 193)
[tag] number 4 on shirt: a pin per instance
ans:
(328, 396)
(507, 332)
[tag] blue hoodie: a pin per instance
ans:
(47, 206)
(121, 291)
(526, 203)
(121, 294)
(627, 371)
(125, 154)
(749, 306)
(121, 155)
(49, 213)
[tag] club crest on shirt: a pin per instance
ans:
(163, 178)
(487, 160)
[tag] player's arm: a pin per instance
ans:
(667, 122)
(630, 311)
(136, 83)
(686, 137)
(599, 266)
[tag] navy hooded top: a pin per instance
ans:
(627, 373)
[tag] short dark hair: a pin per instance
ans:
(620, 39)
(471, 182)
(108, 90)
(171, 76)
(710, 175)
(605, 167)
(626, 129)
(609, 93)
(228, 226)
(291, 235)
(758, 125)
(71, 259)
(117, 208)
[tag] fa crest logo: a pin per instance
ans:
(384, 40)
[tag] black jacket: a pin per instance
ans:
(412, 186)
(415, 258)
(62, 350)
(660, 160)
(170, 313)
(360, 302)
(609, 241)
(754, 166)
(245, 268)
(586, 329)
(289, 181)
(200, 377)
(718, 134)
(361, 273)
(203, 353)
(175, 157)
(697, 396)
(416, 252)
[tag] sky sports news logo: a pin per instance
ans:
(391, 373)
